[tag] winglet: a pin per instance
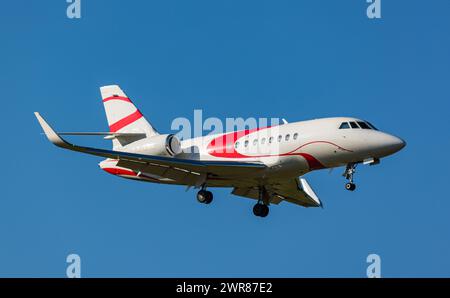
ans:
(50, 133)
(310, 192)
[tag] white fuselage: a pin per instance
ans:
(289, 150)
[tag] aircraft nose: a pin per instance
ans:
(402, 143)
(396, 143)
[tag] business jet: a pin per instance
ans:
(266, 164)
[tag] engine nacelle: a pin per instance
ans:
(166, 145)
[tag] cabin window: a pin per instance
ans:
(287, 137)
(344, 125)
(354, 125)
(255, 142)
(246, 143)
(295, 136)
(236, 145)
(270, 140)
(263, 141)
(363, 125)
(280, 137)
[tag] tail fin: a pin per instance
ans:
(123, 116)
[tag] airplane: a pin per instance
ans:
(266, 164)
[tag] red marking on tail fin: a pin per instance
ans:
(117, 98)
(125, 121)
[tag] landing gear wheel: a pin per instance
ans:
(261, 210)
(265, 211)
(204, 196)
(209, 197)
(350, 186)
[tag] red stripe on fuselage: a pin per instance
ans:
(125, 121)
(324, 142)
(223, 146)
(313, 163)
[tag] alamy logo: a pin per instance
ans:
(374, 269)
(244, 135)
(374, 9)
(74, 268)
(74, 9)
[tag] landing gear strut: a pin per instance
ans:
(348, 174)
(204, 196)
(261, 208)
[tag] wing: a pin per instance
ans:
(296, 191)
(136, 161)
(107, 135)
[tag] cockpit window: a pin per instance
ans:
(354, 125)
(344, 125)
(363, 125)
(357, 125)
(370, 124)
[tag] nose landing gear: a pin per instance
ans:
(348, 174)
(350, 186)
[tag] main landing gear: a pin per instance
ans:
(204, 196)
(348, 174)
(261, 208)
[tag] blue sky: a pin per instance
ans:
(292, 59)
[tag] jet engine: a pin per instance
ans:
(165, 145)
